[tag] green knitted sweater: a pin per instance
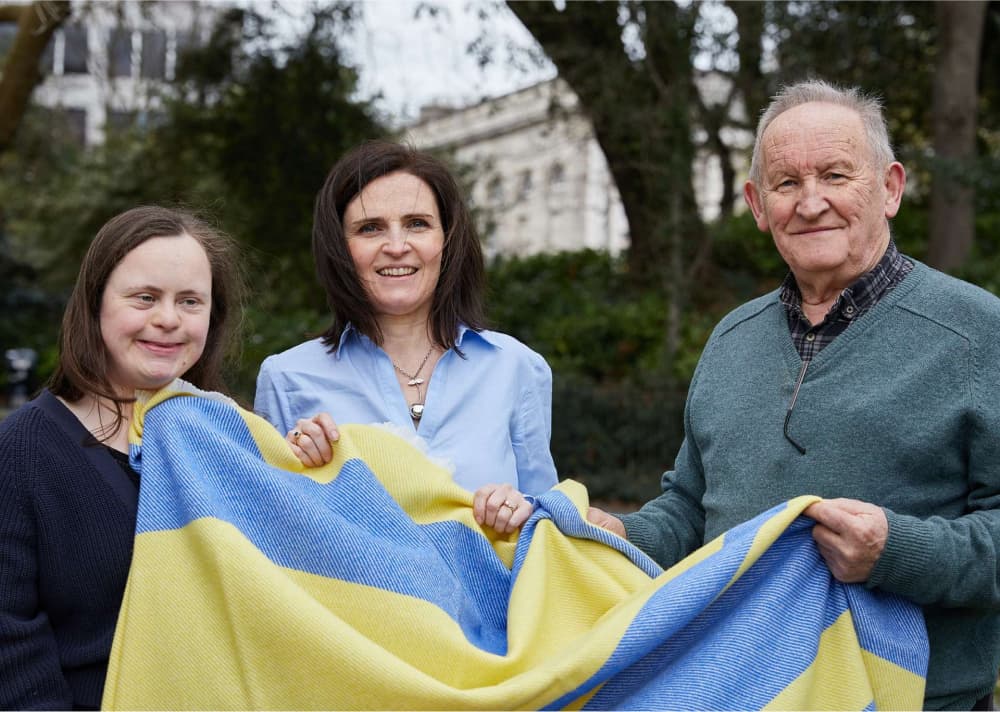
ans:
(901, 410)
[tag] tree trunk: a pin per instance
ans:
(639, 110)
(749, 77)
(955, 96)
(36, 25)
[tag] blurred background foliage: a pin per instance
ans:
(257, 119)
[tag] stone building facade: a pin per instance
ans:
(540, 180)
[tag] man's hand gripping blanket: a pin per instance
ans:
(367, 584)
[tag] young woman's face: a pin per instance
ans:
(155, 312)
(395, 236)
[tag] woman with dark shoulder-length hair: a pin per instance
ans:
(398, 255)
(158, 297)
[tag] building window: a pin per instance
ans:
(494, 191)
(8, 31)
(183, 41)
(557, 174)
(154, 54)
(75, 52)
(150, 119)
(120, 120)
(525, 184)
(76, 123)
(120, 53)
(46, 64)
(489, 232)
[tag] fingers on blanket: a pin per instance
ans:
(850, 535)
(312, 439)
(501, 507)
(606, 521)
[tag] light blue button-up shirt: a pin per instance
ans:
(488, 414)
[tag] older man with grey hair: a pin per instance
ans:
(867, 378)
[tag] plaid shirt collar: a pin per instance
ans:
(852, 303)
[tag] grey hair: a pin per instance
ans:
(867, 106)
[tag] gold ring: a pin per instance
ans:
(296, 435)
(506, 503)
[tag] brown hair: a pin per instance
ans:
(83, 357)
(458, 295)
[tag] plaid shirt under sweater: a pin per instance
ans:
(851, 305)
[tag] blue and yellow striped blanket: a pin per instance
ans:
(366, 584)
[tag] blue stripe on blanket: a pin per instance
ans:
(686, 616)
(384, 548)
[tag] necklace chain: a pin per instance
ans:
(420, 368)
(416, 409)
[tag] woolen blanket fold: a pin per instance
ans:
(366, 584)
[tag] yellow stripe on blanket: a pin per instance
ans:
(367, 584)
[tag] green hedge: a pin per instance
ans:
(616, 438)
(616, 421)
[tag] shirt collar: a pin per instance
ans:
(489, 337)
(862, 294)
(351, 331)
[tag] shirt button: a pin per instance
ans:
(810, 337)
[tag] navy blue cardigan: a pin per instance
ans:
(67, 522)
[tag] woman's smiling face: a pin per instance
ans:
(394, 232)
(155, 312)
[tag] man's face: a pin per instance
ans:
(825, 203)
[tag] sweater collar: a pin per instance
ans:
(862, 294)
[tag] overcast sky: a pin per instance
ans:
(416, 57)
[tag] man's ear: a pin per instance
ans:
(895, 183)
(755, 202)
